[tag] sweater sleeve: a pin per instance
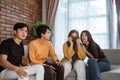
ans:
(67, 51)
(81, 54)
(52, 53)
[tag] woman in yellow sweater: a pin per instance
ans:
(74, 56)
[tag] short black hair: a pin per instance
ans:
(42, 29)
(20, 25)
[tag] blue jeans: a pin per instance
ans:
(103, 64)
(95, 68)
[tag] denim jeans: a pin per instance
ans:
(95, 68)
(103, 64)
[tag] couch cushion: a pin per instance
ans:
(32, 77)
(113, 74)
(113, 56)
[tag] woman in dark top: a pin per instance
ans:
(97, 62)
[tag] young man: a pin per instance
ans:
(12, 57)
(39, 51)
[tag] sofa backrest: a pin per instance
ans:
(26, 49)
(113, 55)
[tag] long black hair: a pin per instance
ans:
(90, 39)
(92, 43)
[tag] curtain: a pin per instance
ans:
(61, 28)
(51, 7)
(117, 2)
(49, 11)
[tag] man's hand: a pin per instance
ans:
(21, 71)
(58, 63)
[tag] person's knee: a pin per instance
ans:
(79, 63)
(104, 67)
(91, 61)
(49, 73)
(39, 68)
(67, 65)
(61, 68)
(52, 73)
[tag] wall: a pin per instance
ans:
(12, 11)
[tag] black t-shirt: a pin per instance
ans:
(13, 51)
(96, 51)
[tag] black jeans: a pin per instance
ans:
(54, 74)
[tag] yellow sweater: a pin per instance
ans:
(39, 51)
(68, 53)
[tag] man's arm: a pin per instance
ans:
(5, 63)
(54, 56)
(24, 61)
(19, 70)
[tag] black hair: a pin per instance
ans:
(20, 25)
(92, 43)
(90, 39)
(42, 29)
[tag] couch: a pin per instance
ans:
(113, 56)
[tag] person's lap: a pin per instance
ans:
(8, 74)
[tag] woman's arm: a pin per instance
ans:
(87, 52)
(67, 51)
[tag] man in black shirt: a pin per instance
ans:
(12, 57)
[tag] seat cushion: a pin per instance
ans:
(113, 74)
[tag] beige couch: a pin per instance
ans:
(32, 77)
(114, 74)
(114, 58)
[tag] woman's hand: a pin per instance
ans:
(84, 49)
(87, 53)
(78, 41)
(70, 40)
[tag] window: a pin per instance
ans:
(92, 15)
